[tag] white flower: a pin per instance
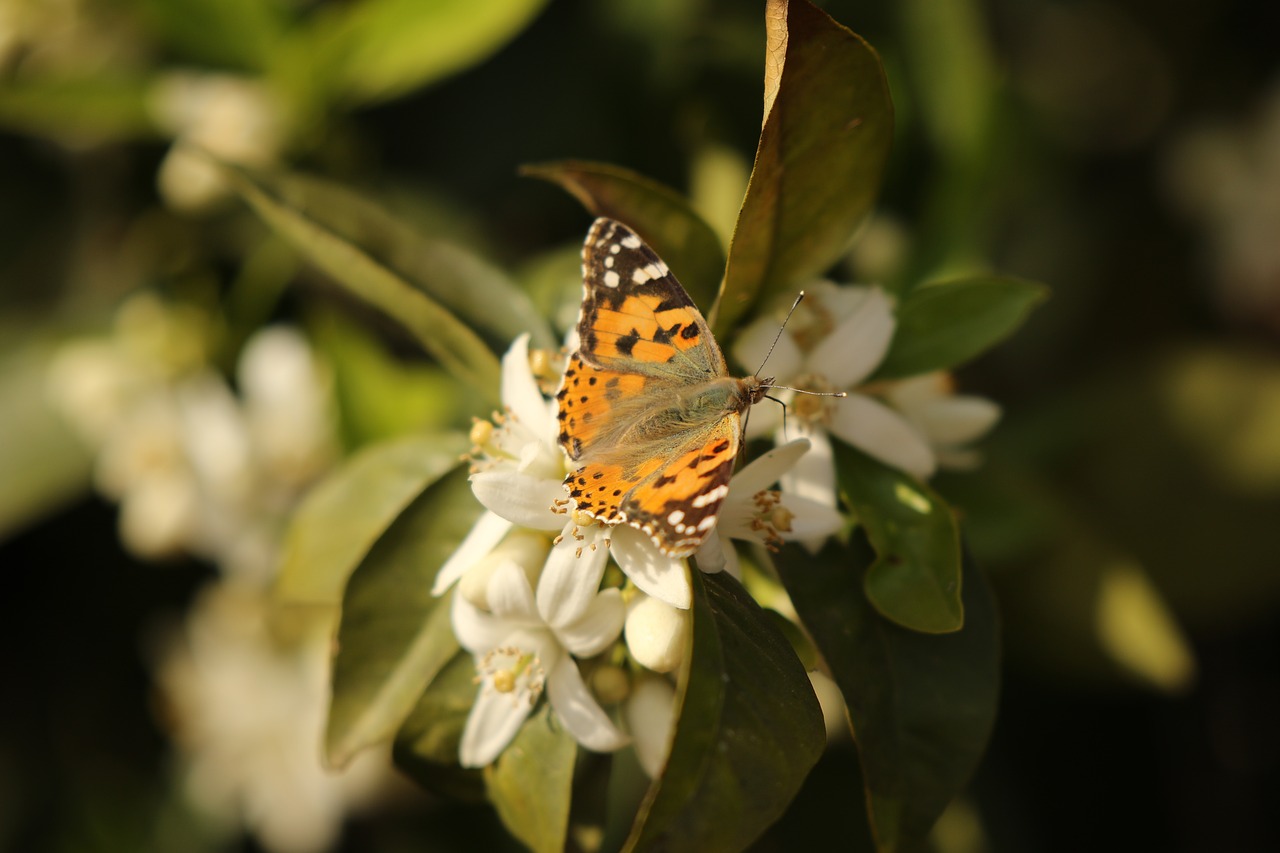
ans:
(835, 341)
(195, 468)
(247, 712)
(236, 119)
(834, 345)
(949, 421)
(752, 512)
(525, 645)
(520, 482)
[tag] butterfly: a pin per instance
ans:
(647, 408)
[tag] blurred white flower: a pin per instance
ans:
(247, 706)
(526, 643)
(195, 468)
(1228, 178)
(236, 119)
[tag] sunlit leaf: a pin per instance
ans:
(749, 730)
(943, 325)
(394, 635)
(78, 109)
(661, 216)
(921, 705)
(531, 783)
(339, 520)
(822, 150)
(325, 224)
(915, 580)
(379, 49)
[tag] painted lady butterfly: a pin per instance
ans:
(647, 407)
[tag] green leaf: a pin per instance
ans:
(749, 730)
(380, 396)
(531, 784)
(340, 518)
(426, 746)
(235, 33)
(943, 325)
(915, 580)
(326, 224)
(394, 635)
(662, 217)
(42, 463)
(822, 150)
(78, 110)
(380, 49)
(921, 706)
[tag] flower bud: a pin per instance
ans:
(657, 634)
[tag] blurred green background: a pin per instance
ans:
(1125, 153)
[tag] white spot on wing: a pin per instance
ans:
(708, 497)
(640, 275)
(707, 523)
(631, 241)
(608, 261)
(611, 279)
(675, 518)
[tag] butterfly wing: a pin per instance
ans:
(646, 405)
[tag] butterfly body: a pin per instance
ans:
(647, 408)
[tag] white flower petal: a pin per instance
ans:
(881, 432)
(766, 469)
(485, 535)
(764, 418)
(519, 498)
(520, 394)
(477, 631)
(858, 344)
(492, 724)
(652, 571)
(810, 519)
(955, 420)
(571, 576)
(578, 710)
(752, 347)
(732, 564)
(511, 598)
(650, 714)
(711, 553)
(593, 631)
(813, 476)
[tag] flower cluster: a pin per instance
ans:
(198, 468)
(529, 605)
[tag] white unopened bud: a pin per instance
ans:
(657, 634)
(650, 714)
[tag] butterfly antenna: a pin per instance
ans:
(781, 329)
